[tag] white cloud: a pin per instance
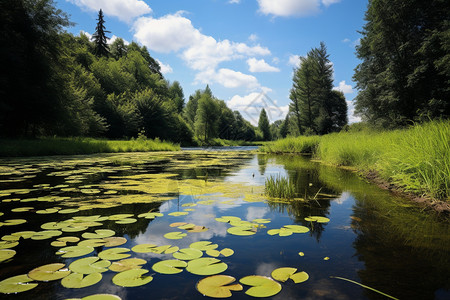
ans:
(253, 37)
(343, 87)
(294, 60)
(329, 2)
(346, 40)
(125, 10)
(165, 69)
(114, 37)
(228, 78)
(256, 65)
(287, 8)
(250, 106)
(234, 1)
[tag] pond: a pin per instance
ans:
(159, 225)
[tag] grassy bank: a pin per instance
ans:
(416, 159)
(227, 143)
(72, 146)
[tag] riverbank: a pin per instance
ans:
(415, 161)
(73, 146)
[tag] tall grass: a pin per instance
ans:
(416, 159)
(304, 144)
(72, 146)
(279, 187)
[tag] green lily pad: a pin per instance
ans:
(114, 254)
(46, 234)
(176, 235)
(114, 241)
(218, 286)
(77, 281)
(178, 213)
(126, 221)
(132, 278)
(197, 228)
(261, 221)
(12, 222)
(54, 225)
(49, 272)
(227, 219)
(170, 266)
(68, 211)
(8, 244)
(62, 242)
(22, 209)
(127, 264)
(317, 219)
(150, 215)
(206, 266)
(120, 217)
(10, 238)
(285, 232)
(150, 248)
(300, 277)
(241, 231)
(188, 254)
(101, 297)
(47, 211)
(297, 228)
(89, 265)
(6, 254)
(90, 191)
(17, 284)
(74, 251)
(283, 274)
(24, 234)
(225, 252)
(203, 245)
(92, 243)
(241, 223)
(261, 286)
(99, 234)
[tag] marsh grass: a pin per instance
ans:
(72, 146)
(416, 159)
(304, 144)
(279, 187)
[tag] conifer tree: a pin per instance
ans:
(100, 38)
(264, 126)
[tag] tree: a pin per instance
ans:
(404, 74)
(100, 38)
(264, 126)
(206, 118)
(284, 127)
(177, 96)
(118, 48)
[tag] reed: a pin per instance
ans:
(279, 187)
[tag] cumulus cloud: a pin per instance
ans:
(165, 69)
(287, 8)
(294, 60)
(234, 1)
(250, 106)
(228, 78)
(253, 37)
(343, 87)
(260, 65)
(329, 2)
(125, 10)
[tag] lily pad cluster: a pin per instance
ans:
(241, 227)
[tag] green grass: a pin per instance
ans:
(416, 159)
(217, 142)
(72, 146)
(279, 187)
(304, 144)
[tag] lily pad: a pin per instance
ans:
(62, 242)
(49, 272)
(17, 284)
(203, 245)
(178, 213)
(241, 231)
(150, 248)
(22, 209)
(99, 234)
(101, 297)
(317, 219)
(68, 211)
(74, 251)
(218, 286)
(24, 234)
(12, 222)
(170, 266)
(126, 221)
(92, 243)
(227, 219)
(188, 254)
(114, 241)
(46, 234)
(127, 264)
(77, 281)
(261, 286)
(89, 265)
(47, 211)
(132, 278)
(206, 266)
(297, 228)
(54, 225)
(8, 244)
(225, 252)
(283, 274)
(6, 254)
(150, 215)
(176, 235)
(198, 228)
(119, 217)
(114, 254)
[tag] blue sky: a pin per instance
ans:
(245, 50)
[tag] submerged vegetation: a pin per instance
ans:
(71, 146)
(415, 159)
(279, 187)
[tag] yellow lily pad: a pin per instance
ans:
(176, 235)
(6, 254)
(101, 297)
(99, 234)
(188, 254)
(206, 266)
(132, 278)
(114, 254)
(170, 266)
(203, 245)
(49, 272)
(74, 251)
(114, 241)
(17, 284)
(89, 265)
(283, 274)
(218, 286)
(77, 281)
(261, 286)
(150, 215)
(178, 213)
(127, 264)
(317, 219)
(241, 231)
(8, 244)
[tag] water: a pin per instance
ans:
(372, 237)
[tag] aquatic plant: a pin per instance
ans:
(279, 187)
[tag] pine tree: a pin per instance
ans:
(100, 38)
(264, 126)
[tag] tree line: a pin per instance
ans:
(55, 83)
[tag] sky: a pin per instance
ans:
(245, 50)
